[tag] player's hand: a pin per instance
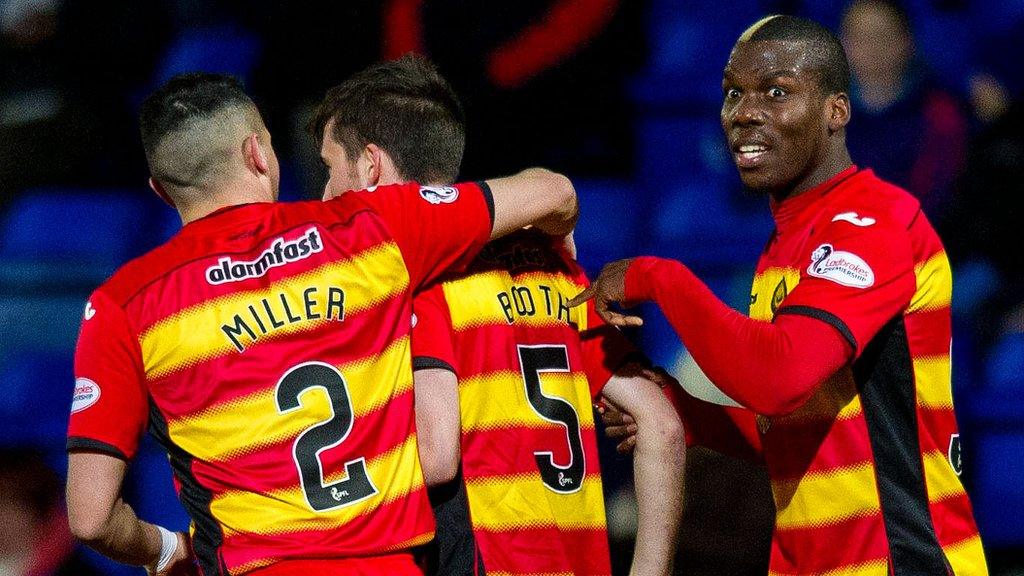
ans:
(619, 426)
(182, 563)
(609, 287)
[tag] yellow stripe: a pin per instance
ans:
(498, 399)
(826, 498)
(395, 474)
(939, 477)
(934, 284)
(523, 501)
(195, 334)
(967, 558)
(767, 286)
(493, 298)
(872, 568)
(252, 422)
(933, 376)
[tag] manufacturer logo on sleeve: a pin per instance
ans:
(439, 194)
(843, 268)
(852, 218)
(280, 253)
(87, 393)
(89, 311)
(956, 459)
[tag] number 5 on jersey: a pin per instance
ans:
(553, 358)
(320, 437)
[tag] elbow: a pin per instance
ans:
(663, 433)
(780, 403)
(87, 526)
(439, 466)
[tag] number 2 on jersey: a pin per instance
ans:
(323, 436)
(553, 358)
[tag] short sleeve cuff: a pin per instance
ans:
(428, 362)
(826, 317)
(485, 189)
(81, 444)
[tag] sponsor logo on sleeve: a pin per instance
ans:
(439, 194)
(279, 253)
(89, 311)
(87, 393)
(841, 267)
(852, 218)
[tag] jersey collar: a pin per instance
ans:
(787, 212)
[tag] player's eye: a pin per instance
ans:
(732, 93)
(776, 92)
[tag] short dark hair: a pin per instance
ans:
(828, 55)
(178, 107)
(408, 109)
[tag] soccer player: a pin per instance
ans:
(528, 367)
(845, 358)
(266, 346)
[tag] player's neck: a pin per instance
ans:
(834, 163)
(231, 195)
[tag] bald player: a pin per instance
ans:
(843, 365)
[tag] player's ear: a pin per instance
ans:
(373, 165)
(159, 189)
(838, 110)
(255, 155)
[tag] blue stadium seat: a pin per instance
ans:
(997, 497)
(226, 49)
(72, 235)
(690, 43)
(705, 223)
(674, 148)
(611, 214)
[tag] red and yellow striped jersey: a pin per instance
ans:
(267, 346)
(528, 369)
(865, 474)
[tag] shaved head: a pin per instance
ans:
(193, 130)
(824, 52)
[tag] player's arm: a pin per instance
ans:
(438, 423)
(770, 368)
(658, 467)
(109, 415)
(534, 197)
(100, 518)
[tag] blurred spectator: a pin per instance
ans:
(986, 222)
(34, 536)
(907, 128)
(542, 81)
(67, 72)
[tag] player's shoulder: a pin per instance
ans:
(137, 273)
(868, 203)
(526, 251)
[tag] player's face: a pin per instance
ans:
(343, 172)
(774, 115)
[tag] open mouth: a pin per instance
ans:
(749, 155)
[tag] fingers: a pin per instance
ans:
(583, 296)
(622, 431)
(617, 319)
(611, 417)
(626, 446)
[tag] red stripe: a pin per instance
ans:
(511, 450)
(820, 549)
(936, 426)
(928, 332)
(261, 365)
(818, 446)
(532, 550)
(954, 519)
(186, 285)
(926, 242)
(500, 341)
(273, 467)
(370, 534)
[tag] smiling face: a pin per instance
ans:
(778, 120)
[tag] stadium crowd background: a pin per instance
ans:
(621, 95)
